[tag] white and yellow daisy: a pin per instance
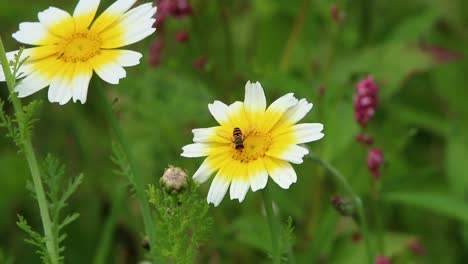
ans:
(70, 47)
(268, 143)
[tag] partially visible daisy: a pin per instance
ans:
(70, 47)
(268, 143)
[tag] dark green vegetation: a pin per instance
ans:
(416, 51)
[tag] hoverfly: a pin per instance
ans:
(238, 138)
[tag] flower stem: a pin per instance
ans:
(32, 161)
(377, 216)
(355, 198)
(273, 225)
(137, 179)
(107, 233)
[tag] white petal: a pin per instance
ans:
(111, 14)
(2, 75)
(31, 84)
(34, 33)
(219, 111)
(110, 72)
(206, 135)
(277, 109)
(307, 132)
(84, 13)
(218, 189)
(292, 154)
(255, 100)
(136, 36)
(52, 17)
(297, 112)
(128, 58)
(59, 90)
(133, 26)
(204, 172)
(203, 134)
(239, 188)
(283, 103)
(258, 175)
(80, 85)
(281, 172)
(195, 150)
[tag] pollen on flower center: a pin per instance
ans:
(256, 144)
(80, 46)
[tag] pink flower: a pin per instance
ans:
(367, 86)
(365, 100)
(375, 160)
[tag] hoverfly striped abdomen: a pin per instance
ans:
(238, 141)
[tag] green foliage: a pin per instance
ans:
(20, 127)
(34, 239)
(17, 63)
(183, 223)
(420, 124)
(434, 202)
(58, 191)
(120, 160)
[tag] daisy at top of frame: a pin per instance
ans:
(252, 143)
(68, 48)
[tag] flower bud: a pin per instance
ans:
(417, 248)
(356, 237)
(157, 46)
(154, 60)
(364, 139)
(182, 36)
(382, 260)
(182, 9)
(200, 63)
(375, 160)
(174, 179)
(145, 244)
(337, 14)
(344, 206)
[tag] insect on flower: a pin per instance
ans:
(238, 140)
(251, 143)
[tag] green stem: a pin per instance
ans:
(104, 244)
(377, 216)
(32, 161)
(355, 198)
(273, 225)
(137, 177)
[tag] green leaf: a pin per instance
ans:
(434, 202)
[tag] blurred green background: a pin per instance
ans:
(416, 51)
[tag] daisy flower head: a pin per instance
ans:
(252, 143)
(68, 48)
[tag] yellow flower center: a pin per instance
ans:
(80, 46)
(255, 146)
